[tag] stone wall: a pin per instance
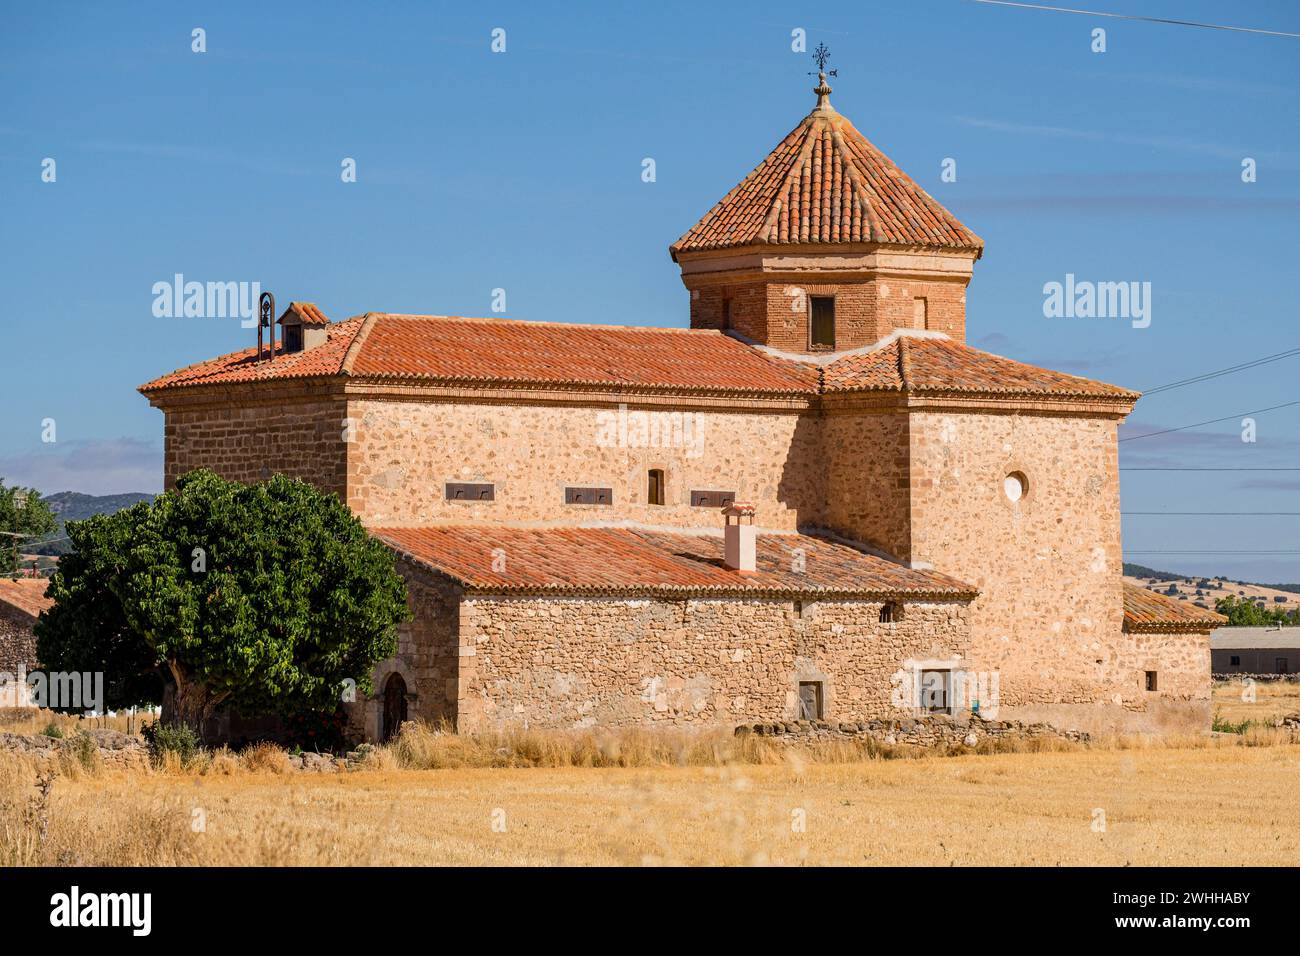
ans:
(427, 658)
(253, 438)
(403, 454)
(17, 642)
(573, 663)
(867, 466)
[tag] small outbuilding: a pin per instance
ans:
(1255, 650)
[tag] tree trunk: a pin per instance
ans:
(187, 702)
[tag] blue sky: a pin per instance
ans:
(522, 171)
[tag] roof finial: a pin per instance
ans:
(822, 89)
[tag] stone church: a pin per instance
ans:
(815, 502)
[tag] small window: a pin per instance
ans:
(726, 313)
(293, 338)
(891, 613)
(1234, 661)
(1282, 666)
(810, 700)
(822, 323)
(934, 691)
(655, 489)
(920, 314)
(469, 491)
(1015, 486)
(1152, 683)
(588, 496)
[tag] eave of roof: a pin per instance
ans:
(1146, 612)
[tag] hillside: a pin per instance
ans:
(1203, 592)
(74, 506)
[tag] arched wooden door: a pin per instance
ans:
(394, 706)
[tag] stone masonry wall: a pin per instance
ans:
(404, 453)
(866, 460)
(250, 442)
(573, 663)
(1050, 612)
(427, 658)
(17, 642)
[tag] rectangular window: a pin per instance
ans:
(588, 496)
(293, 338)
(920, 316)
(1235, 661)
(726, 313)
(810, 700)
(468, 491)
(712, 499)
(935, 687)
(1152, 683)
(1281, 666)
(655, 491)
(822, 322)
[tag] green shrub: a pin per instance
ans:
(53, 730)
(172, 738)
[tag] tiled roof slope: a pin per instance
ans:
(1148, 612)
(324, 360)
(826, 183)
(456, 350)
(920, 365)
(635, 561)
(25, 594)
(500, 352)
(505, 351)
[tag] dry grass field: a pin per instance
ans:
(1234, 703)
(1204, 806)
(1212, 801)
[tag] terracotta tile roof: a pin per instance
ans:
(324, 360)
(25, 594)
(307, 312)
(1146, 612)
(499, 350)
(826, 183)
(636, 561)
(456, 350)
(919, 365)
(452, 350)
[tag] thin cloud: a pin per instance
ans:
(95, 467)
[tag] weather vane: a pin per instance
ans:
(820, 56)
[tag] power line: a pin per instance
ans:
(1223, 371)
(1212, 421)
(1196, 468)
(1235, 514)
(1125, 16)
(1130, 551)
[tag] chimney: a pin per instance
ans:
(740, 538)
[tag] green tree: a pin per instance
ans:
(23, 516)
(1243, 613)
(267, 597)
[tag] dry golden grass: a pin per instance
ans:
(1273, 699)
(1215, 803)
(30, 720)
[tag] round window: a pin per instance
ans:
(1015, 486)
